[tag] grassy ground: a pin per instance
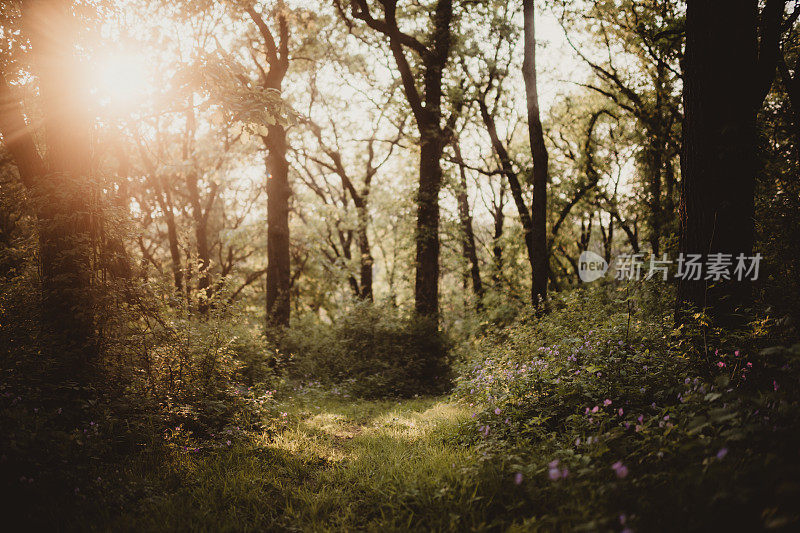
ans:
(338, 464)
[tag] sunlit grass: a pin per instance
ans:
(340, 464)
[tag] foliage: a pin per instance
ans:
(604, 418)
(374, 351)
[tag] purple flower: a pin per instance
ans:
(497, 411)
(518, 478)
(722, 453)
(607, 402)
(620, 469)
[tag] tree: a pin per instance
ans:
(730, 65)
(426, 107)
(59, 182)
(278, 190)
(538, 230)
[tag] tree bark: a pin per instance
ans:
(719, 153)
(278, 191)
(60, 185)
(278, 194)
(427, 111)
(538, 235)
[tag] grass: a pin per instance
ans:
(338, 464)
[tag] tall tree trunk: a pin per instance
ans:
(278, 194)
(719, 153)
(65, 192)
(279, 282)
(538, 235)
(426, 288)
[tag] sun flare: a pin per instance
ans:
(120, 80)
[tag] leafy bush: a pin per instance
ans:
(603, 418)
(373, 351)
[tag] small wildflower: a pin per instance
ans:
(518, 478)
(721, 364)
(722, 453)
(497, 410)
(607, 402)
(620, 469)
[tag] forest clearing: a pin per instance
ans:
(400, 265)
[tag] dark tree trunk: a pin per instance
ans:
(279, 282)
(538, 235)
(63, 191)
(278, 194)
(426, 105)
(426, 288)
(719, 153)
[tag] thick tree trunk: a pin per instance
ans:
(426, 289)
(278, 194)
(65, 193)
(538, 235)
(719, 154)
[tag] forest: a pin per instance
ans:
(400, 265)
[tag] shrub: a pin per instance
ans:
(603, 417)
(374, 351)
